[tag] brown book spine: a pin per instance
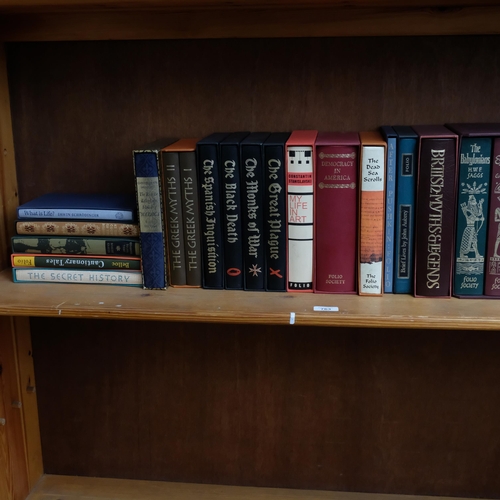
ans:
(174, 228)
(336, 218)
(436, 215)
(76, 228)
(492, 271)
(191, 218)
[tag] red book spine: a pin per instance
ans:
(492, 270)
(336, 219)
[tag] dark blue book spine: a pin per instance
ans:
(405, 215)
(275, 216)
(390, 198)
(211, 216)
(233, 230)
(252, 189)
(472, 215)
(150, 212)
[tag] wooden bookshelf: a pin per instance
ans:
(77, 488)
(236, 307)
(386, 395)
(118, 20)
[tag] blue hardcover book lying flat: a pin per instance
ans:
(116, 207)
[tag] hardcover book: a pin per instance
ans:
(76, 246)
(371, 214)
(252, 201)
(436, 211)
(336, 209)
(275, 211)
(492, 278)
(390, 137)
(300, 155)
(172, 205)
(116, 207)
(80, 262)
(62, 227)
(190, 211)
(79, 276)
(477, 265)
(232, 211)
(407, 164)
(474, 167)
(212, 233)
(146, 162)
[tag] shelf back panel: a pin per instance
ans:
(389, 411)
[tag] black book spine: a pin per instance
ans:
(233, 244)
(435, 221)
(252, 189)
(275, 217)
(211, 226)
(191, 217)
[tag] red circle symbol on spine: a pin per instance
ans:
(233, 271)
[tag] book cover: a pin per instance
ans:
(390, 137)
(371, 213)
(275, 211)
(406, 182)
(190, 211)
(492, 274)
(300, 156)
(76, 246)
(436, 211)
(232, 211)
(172, 206)
(252, 204)
(95, 206)
(212, 233)
(79, 276)
(472, 214)
(80, 262)
(490, 208)
(62, 227)
(336, 209)
(147, 174)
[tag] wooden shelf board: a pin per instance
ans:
(248, 21)
(225, 306)
(53, 487)
(101, 5)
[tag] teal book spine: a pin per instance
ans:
(390, 201)
(405, 214)
(472, 213)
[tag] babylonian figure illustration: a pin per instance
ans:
(473, 212)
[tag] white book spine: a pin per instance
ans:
(300, 210)
(371, 242)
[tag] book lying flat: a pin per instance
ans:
(117, 207)
(85, 276)
(77, 228)
(76, 246)
(76, 262)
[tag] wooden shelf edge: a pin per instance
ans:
(52, 487)
(239, 307)
(249, 22)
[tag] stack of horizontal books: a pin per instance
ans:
(77, 238)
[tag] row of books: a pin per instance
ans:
(398, 210)
(77, 238)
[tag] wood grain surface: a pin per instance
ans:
(387, 411)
